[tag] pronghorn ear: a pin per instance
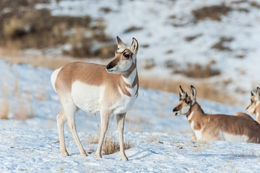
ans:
(181, 92)
(134, 45)
(258, 93)
(254, 91)
(193, 93)
(119, 42)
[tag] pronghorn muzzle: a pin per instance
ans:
(111, 65)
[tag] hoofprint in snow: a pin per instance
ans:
(165, 25)
(160, 142)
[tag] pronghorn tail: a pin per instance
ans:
(54, 77)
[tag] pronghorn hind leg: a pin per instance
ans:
(60, 124)
(69, 111)
(104, 116)
(120, 123)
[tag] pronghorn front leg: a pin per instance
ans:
(60, 123)
(104, 116)
(120, 123)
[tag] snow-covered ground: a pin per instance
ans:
(165, 25)
(159, 142)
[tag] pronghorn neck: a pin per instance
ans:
(129, 82)
(130, 75)
(195, 110)
(257, 113)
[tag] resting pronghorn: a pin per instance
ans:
(209, 127)
(97, 88)
(254, 107)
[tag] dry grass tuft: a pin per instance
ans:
(42, 92)
(41, 96)
(110, 146)
(24, 110)
(135, 124)
(153, 138)
(92, 140)
(14, 56)
(4, 103)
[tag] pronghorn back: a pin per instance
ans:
(232, 128)
(91, 86)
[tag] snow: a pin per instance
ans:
(160, 142)
(163, 33)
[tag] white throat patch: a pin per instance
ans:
(130, 79)
(190, 116)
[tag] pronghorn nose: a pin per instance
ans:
(109, 66)
(174, 110)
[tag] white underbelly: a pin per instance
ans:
(87, 97)
(232, 138)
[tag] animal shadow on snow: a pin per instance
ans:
(145, 153)
(228, 156)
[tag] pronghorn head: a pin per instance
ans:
(255, 100)
(124, 58)
(185, 101)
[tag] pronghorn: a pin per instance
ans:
(97, 88)
(254, 107)
(209, 127)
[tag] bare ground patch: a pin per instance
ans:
(214, 12)
(198, 71)
(23, 27)
(193, 70)
(221, 44)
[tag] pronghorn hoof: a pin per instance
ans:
(83, 154)
(64, 153)
(98, 156)
(124, 158)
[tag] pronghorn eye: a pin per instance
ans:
(187, 102)
(126, 55)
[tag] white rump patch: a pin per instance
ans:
(54, 77)
(87, 97)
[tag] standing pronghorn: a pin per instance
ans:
(254, 107)
(209, 127)
(97, 88)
